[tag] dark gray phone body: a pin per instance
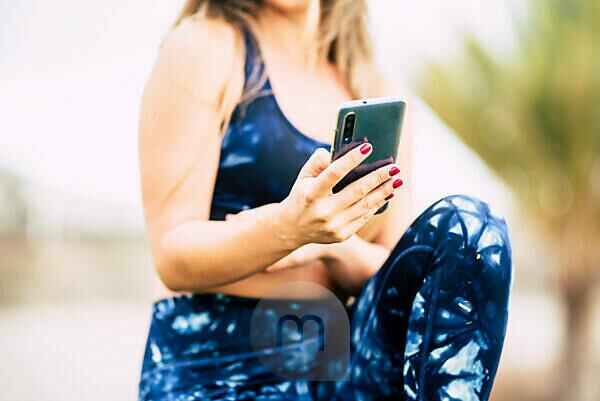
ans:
(377, 121)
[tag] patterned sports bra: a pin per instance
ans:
(262, 152)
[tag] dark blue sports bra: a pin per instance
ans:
(261, 151)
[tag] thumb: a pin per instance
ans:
(316, 163)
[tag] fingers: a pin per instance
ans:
(287, 262)
(339, 168)
(315, 164)
(300, 257)
(360, 190)
(366, 207)
(356, 224)
(280, 265)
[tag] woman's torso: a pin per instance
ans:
(266, 143)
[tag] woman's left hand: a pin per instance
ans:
(299, 257)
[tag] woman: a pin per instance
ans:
(234, 133)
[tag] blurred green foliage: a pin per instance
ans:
(533, 115)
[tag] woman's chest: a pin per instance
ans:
(271, 137)
(261, 155)
(309, 98)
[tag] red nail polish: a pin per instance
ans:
(390, 196)
(393, 171)
(397, 183)
(364, 149)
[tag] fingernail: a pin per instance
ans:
(397, 183)
(366, 148)
(393, 171)
(390, 196)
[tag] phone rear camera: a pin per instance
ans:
(348, 128)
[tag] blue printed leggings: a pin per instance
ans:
(429, 326)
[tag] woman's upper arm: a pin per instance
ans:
(179, 132)
(399, 214)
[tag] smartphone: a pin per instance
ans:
(377, 121)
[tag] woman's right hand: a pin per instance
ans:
(312, 213)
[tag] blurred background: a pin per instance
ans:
(510, 112)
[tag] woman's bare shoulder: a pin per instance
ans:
(201, 36)
(200, 54)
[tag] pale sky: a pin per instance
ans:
(72, 74)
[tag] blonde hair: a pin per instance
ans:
(343, 39)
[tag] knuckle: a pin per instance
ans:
(322, 214)
(330, 229)
(308, 195)
(359, 191)
(321, 154)
(375, 181)
(335, 174)
(308, 199)
(382, 177)
(365, 204)
(367, 216)
(355, 192)
(338, 236)
(365, 189)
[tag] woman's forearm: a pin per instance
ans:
(201, 254)
(354, 261)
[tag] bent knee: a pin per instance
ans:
(481, 235)
(460, 230)
(467, 218)
(466, 230)
(464, 223)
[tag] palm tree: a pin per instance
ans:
(534, 117)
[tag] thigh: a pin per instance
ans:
(430, 324)
(199, 348)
